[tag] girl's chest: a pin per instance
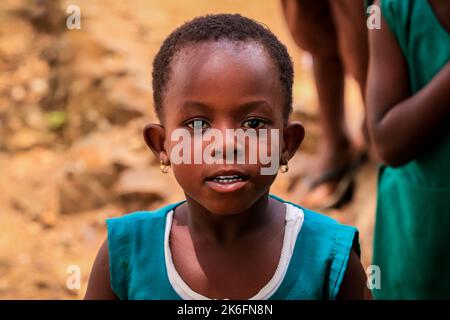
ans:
(232, 271)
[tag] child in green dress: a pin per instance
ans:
(408, 98)
(229, 239)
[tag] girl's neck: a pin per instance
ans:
(224, 229)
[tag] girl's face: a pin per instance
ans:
(223, 85)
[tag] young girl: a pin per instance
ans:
(408, 100)
(229, 239)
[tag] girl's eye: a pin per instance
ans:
(253, 124)
(197, 124)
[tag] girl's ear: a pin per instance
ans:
(293, 136)
(154, 137)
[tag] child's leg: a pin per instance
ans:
(312, 26)
(350, 20)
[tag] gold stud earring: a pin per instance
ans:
(164, 167)
(284, 168)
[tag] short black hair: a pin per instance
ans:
(233, 27)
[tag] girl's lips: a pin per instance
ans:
(226, 187)
(226, 181)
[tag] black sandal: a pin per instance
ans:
(344, 175)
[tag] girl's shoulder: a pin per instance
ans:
(323, 231)
(322, 251)
(320, 225)
(136, 241)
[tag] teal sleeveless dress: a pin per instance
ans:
(138, 268)
(412, 232)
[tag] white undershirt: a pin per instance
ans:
(294, 221)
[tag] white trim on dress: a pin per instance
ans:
(294, 222)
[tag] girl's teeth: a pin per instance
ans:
(228, 179)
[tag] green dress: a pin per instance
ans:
(412, 233)
(138, 270)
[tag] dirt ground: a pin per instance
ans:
(72, 107)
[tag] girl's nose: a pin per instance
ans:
(230, 147)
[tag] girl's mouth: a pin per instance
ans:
(227, 183)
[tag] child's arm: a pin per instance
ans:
(354, 284)
(401, 125)
(99, 287)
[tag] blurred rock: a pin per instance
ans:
(27, 138)
(46, 16)
(18, 93)
(150, 181)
